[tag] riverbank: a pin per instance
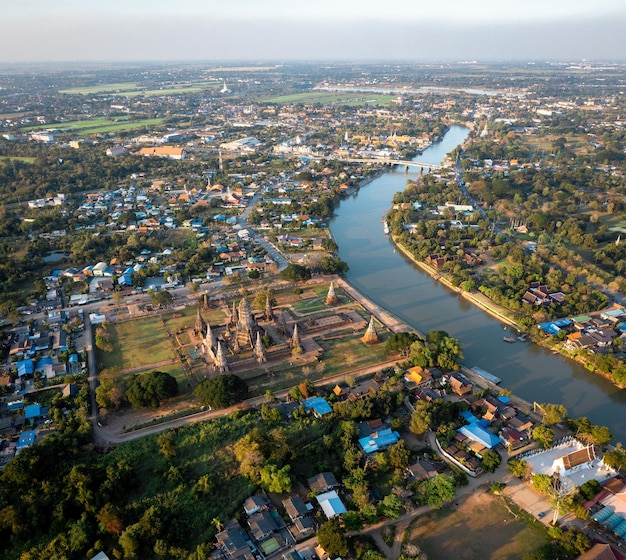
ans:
(502, 314)
(476, 298)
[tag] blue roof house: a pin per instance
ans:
(26, 439)
(331, 504)
(379, 440)
(32, 411)
(25, 367)
(318, 405)
(478, 433)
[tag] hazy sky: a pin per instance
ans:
(257, 30)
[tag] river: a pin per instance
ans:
(395, 283)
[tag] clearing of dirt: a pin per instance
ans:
(480, 527)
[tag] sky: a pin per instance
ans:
(287, 30)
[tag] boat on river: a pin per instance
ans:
(509, 339)
(386, 228)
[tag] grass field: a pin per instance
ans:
(482, 527)
(137, 343)
(101, 88)
(96, 126)
(23, 159)
(132, 89)
(351, 99)
(350, 353)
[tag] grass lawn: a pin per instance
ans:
(312, 305)
(96, 126)
(187, 318)
(23, 159)
(353, 99)
(349, 353)
(136, 344)
(482, 527)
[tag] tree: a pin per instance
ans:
(400, 342)
(221, 391)
(390, 506)
(161, 298)
(491, 460)
(543, 483)
(332, 538)
(331, 264)
(616, 458)
(421, 418)
(352, 521)
(518, 468)
(295, 273)
(270, 414)
(544, 436)
(274, 479)
(553, 413)
(574, 542)
(437, 491)
(103, 337)
(399, 455)
(149, 389)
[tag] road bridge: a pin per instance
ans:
(390, 161)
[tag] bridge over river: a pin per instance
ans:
(386, 161)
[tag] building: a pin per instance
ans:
(379, 440)
(322, 482)
(331, 504)
(318, 406)
(170, 152)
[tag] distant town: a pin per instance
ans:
(187, 370)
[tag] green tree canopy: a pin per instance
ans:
(491, 460)
(421, 419)
(400, 342)
(221, 391)
(544, 436)
(553, 413)
(331, 264)
(518, 467)
(332, 538)
(149, 389)
(274, 479)
(437, 491)
(295, 273)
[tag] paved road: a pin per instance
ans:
(108, 434)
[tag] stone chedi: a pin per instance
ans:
(296, 344)
(371, 336)
(259, 350)
(331, 296)
(221, 364)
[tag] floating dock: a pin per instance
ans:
(485, 375)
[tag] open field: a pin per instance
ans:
(23, 159)
(482, 527)
(349, 353)
(137, 344)
(132, 89)
(174, 90)
(351, 99)
(101, 88)
(615, 222)
(96, 126)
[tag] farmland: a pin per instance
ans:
(324, 98)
